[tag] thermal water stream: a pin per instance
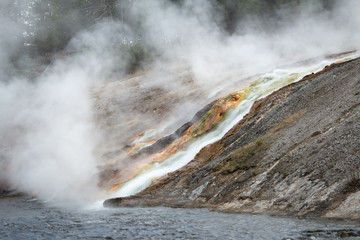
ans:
(262, 86)
(25, 218)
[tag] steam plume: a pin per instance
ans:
(47, 128)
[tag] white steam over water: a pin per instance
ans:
(47, 128)
(48, 134)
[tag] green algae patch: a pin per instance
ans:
(217, 112)
(244, 158)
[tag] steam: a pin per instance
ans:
(47, 126)
(51, 127)
(48, 134)
(305, 33)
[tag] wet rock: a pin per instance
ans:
(295, 153)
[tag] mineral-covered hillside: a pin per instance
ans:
(136, 145)
(139, 124)
(295, 153)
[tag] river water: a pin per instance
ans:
(23, 218)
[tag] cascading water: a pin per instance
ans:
(262, 86)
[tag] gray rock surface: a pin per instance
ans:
(297, 152)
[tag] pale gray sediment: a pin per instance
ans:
(297, 152)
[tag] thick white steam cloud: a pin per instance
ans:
(308, 32)
(47, 124)
(47, 128)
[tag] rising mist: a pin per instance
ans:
(52, 125)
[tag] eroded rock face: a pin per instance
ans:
(295, 153)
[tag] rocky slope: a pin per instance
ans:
(127, 110)
(295, 153)
(140, 157)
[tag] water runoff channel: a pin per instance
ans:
(261, 87)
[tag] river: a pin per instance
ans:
(24, 218)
